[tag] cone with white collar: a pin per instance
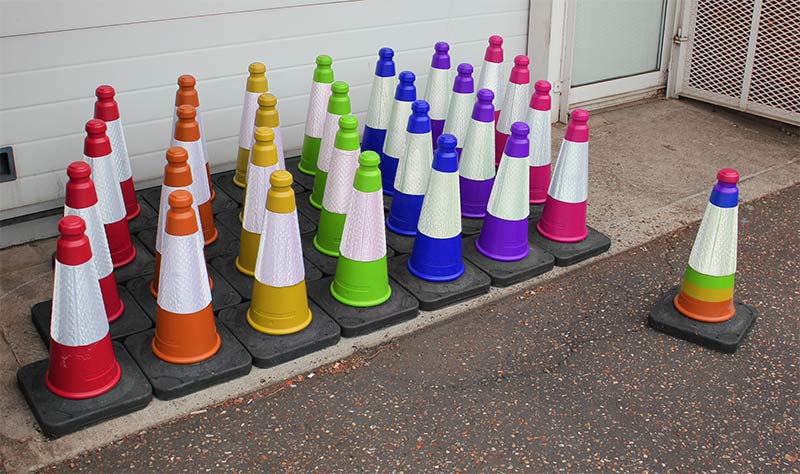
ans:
(380, 102)
(461, 103)
(492, 72)
(437, 90)
(266, 116)
(107, 110)
(256, 85)
(476, 167)
(539, 122)
(338, 105)
(315, 117)
(515, 103)
(395, 144)
(187, 95)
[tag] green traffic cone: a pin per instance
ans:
(338, 105)
(315, 117)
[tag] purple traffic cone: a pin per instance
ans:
(476, 167)
(461, 103)
(437, 91)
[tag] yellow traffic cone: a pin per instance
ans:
(256, 85)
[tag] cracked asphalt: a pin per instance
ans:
(564, 377)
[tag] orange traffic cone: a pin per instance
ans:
(187, 95)
(187, 135)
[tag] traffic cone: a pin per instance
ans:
(279, 305)
(492, 72)
(107, 110)
(177, 176)
(97, 153)
(412, 173)
(187, 95)
(263, 162)
(461, 104)
(515, 103)
(256, 85)
(437, 247)
(187, 135)
(315, 118)
(81, 200)
(437, 90)
(185, 329)
(362, 276)
(539, 122)
(82, 361)
(504, 235)
(395, 144)
(380, 102)
(338, 105)
(339, 187)
(476, 167)
(564, 214)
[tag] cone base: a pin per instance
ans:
(174, 380)
(404, 213)
(243, 284)
(318, 191)
(224, 182)
(60, 416)
(122, 250)
(471, 226)
(388, 173)
(400, 243)
(401, 306)
(724, 337)
(309, 155)
(142, 265)
(305, 208)
(147, 218)
(132, 207)
(242, 161)
(302, 181)
(435, 295)
(509, 273)
(565, 254)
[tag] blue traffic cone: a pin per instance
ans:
(380, 102)
(395, 144)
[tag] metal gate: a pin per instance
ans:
(743, 54)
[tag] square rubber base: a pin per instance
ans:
(146, 219)
(230, 220)
(471, 226)
(60, 416)
(304, 207)
(508, 273)
(224, 182)
(176, 380)
(570, 254)
(434, 295)
(133, 319)
(143, 264)
(399, 243)
(325, 263)
(243, 284)
(401, 306)
(269, 351)
(301, 180)
(226, 243)
(724, 337)
(535, 213)
(222, 296)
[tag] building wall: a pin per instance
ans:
(51, 60)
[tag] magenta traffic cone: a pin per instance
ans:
(476, 167)
(515, 103)
(539, 123)
(492, 72)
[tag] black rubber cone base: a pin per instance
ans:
(133, 319)
(434, 295)
(324, 263)
(508, 273)
(243, 284)
(399, 243)
(146, 219)
(226, 243)
(305, 208)
(269, 351)
(302, 180)
(222, 295)
(176, 380)
(535, 212)
(223, 202)
(724, 337)
(570, 254)
(224, 182)
(471, 226)
(401, 306)
(60, 416)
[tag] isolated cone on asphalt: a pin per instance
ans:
(82, 361)
(279, 305)
(338, 105)
(81, 200)
(492, 72)
(395, 144)
(362, 276)
(706, 293)
(437, 90)
(97, 153)
(107, 110)
(461, 103)
(411, 181)
(185, 329)
(437, 247)
(380, 102)
(564, 214)
(263, 162)
(256, 85)
(177, 176)
(504, 235)
(339, 187)
(539, 122)
(476, 166)
(315, 117)
(187, 95)
(187, 136)
(515, 103)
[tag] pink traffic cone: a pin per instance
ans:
(492, 72)
(515, 104)
(539, 123)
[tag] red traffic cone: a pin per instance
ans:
(82, 361)
(187, 95)
(97, 153)
(81, 201)
(107, 110)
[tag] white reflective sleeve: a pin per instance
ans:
(119, 150)
(278, 140)
(570, 182)
(328, 141)
(364, 234)
(199, 119)
(395, 143)
(97, 238)
(109, 194)
(79, 316)
(183, 282)
(459, 116)
(492, 78)
(437, 92)
(249, 109)
(339, 185)
(440, 217)
(280, 253)
(509, 198)
(380, 102)
(200, 189)
(539, 123)
(317, 107)
(515, 107)
(415, 165)
(714, 249)
(477, 157)
(255, 203)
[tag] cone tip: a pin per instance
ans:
(465, 69)
(79, 170)
(264, 134)
(496, 40)
(521, 61)
(420, 107)
(95, 127)
(441, 47)
(324, 60)
(177, 154)
(187, 112)
(542, 87)
(267, 100)
(186, 81)
(105, 92)
(728, 176)
(407, 76)
(369, 159)
(340, 87)
(71, 226)
(579, 115)
(447, 142)
(348, 122)
(280, 179)
(485, 95)
(257, 69)
(180, 199)
(386, 53)
(520, 129)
